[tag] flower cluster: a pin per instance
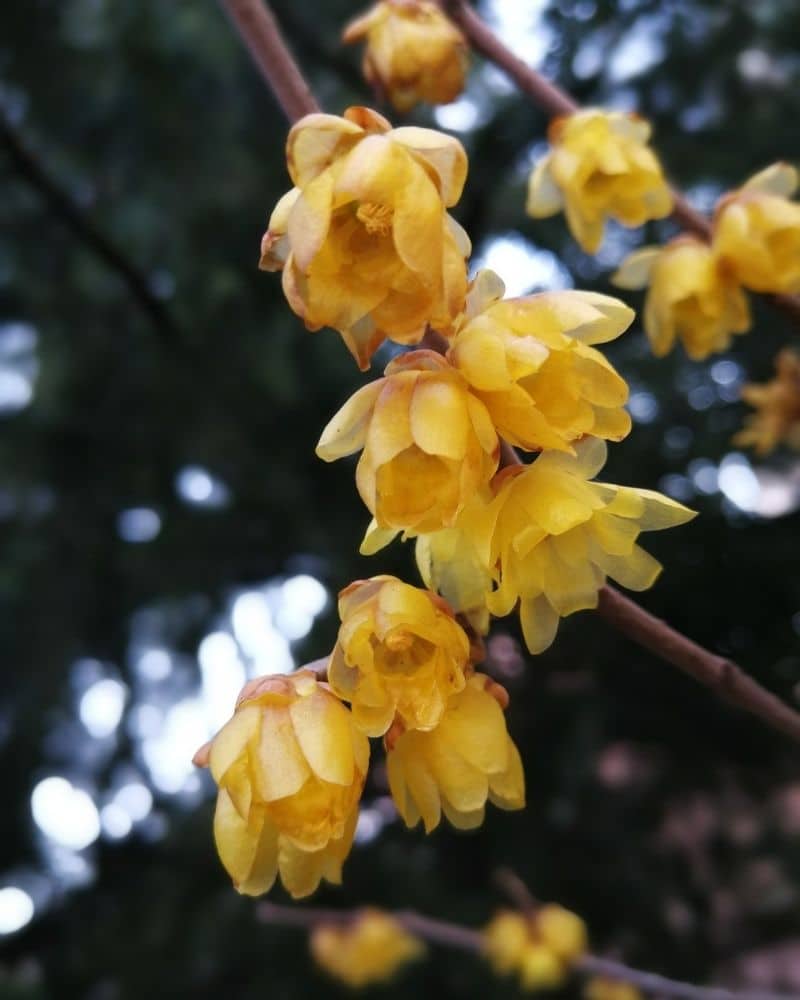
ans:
(540, 948)
(600, 166)
(777, 408)
(696, 291)
(413, 52)
(366, 246)
(369, 949)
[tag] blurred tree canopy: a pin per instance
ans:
(156, 446)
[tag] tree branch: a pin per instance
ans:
(103, 247)
(259, 30)
(467, 939)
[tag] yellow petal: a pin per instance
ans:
(376, 538)
(444, 153)
(634, 272)
(539, 623)
(236, 840)
(346, 432)
(315, 142)
(474, 724)
(279, 765)
(323, 728)
(507, 789)
(780, 179)
(265, 864)
(544, 195)
(638, 571)
(231, 741)
(310, 219)
(301, 871)
(439, 418)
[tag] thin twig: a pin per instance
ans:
(722, 675)
(102, 246)
(554, 101)
(467, 939)
(259, 30)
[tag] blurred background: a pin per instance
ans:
(167, 531)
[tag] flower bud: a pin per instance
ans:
(370, 949)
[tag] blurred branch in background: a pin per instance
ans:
(32, 171)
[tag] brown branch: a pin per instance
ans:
(467, 939)
(722, 675)
(259, 30)
(554, 101)
(62, 205)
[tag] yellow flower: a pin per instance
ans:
(414, 53)
(504, 941)
(777, 405)
(428, 443)
(369, 949)
(552, 538)
(529, 361)
(562, 931)
(364, 241)
(400, 652)
(541, 947)
(290, 766)
(468, 758)
(601, 988)
(600, 166)
(691, 297)
(757, 231)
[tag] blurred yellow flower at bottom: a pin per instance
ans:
(370, 949)
(601, 988)
(777, 408)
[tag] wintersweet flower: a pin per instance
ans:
(290, 766)
(414, 53)
(400, 653)
(541, 947)
(364, 241)
(468, 758)
(372, 948)
(599, 167)
(757, 231)
(552, 537)
(530, 362)
(777, 406)
(691, 297)
(428, 444)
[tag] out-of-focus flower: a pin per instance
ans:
(777, 406)
(599, 167)
(552, 537)
(541, 947)
(529, 361)
(290, 766)
(363, 239)
(414, 53)
(468, 758)
(429, 443)
(757, 231)
(691, 297)
(400, 652)
(601, 988)
(372, 948)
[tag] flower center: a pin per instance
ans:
(376, 218)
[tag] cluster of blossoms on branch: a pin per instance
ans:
(366, 245)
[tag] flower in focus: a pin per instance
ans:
(414, 53)
(468, 758)
(290, 766)
(691, 297)
(428, 443)
(369, 949)
(552, 538)
(601, 988)
(541, 947)
(530, 362)
(777, 405)
(400, 652)
(599, 167)
(363, 239)
(757, 231)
